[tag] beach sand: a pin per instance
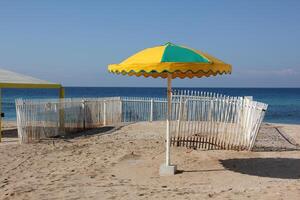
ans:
(123, 163)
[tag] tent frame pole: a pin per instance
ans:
(61, 110)
(0, 114)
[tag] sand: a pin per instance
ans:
(123, 163)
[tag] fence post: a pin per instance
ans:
(179, 116)
(151, 109)
(121, 109)
(246, 118)
(61, 109)
(83, 108)
(185, 110)
(104, 112)
(244, 111)
(260, 119)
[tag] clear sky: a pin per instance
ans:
(72, 42)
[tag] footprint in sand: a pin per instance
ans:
(131, 158)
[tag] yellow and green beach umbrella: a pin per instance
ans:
(170, 61)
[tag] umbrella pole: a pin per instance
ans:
(169, 96)
(166, 168)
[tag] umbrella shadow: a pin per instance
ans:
(284, 168)
(196, 171)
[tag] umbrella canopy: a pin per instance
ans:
(171, 59)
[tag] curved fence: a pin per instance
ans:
(198, 119)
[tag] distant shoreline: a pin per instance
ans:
(181, 87)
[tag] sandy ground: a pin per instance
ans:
(123, 163)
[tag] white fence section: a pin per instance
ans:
(214, 121)
(198, 119)
(136, 109)
(37, 119)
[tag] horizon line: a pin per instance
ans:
(181, 87)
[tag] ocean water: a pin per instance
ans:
(284, 103)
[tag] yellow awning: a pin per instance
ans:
(9, 79)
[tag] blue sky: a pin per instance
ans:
(72, 42)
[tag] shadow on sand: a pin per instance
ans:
(90, 132)
(12, 133)
(284, 168)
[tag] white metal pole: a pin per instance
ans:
(104, 112)
(151, 110)
(169, 93)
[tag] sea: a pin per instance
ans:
(284, 103)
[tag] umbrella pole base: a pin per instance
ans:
(167, 170)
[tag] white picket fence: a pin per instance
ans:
(42, 118)
(213, 121)
(198, 120)
(135, 109)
